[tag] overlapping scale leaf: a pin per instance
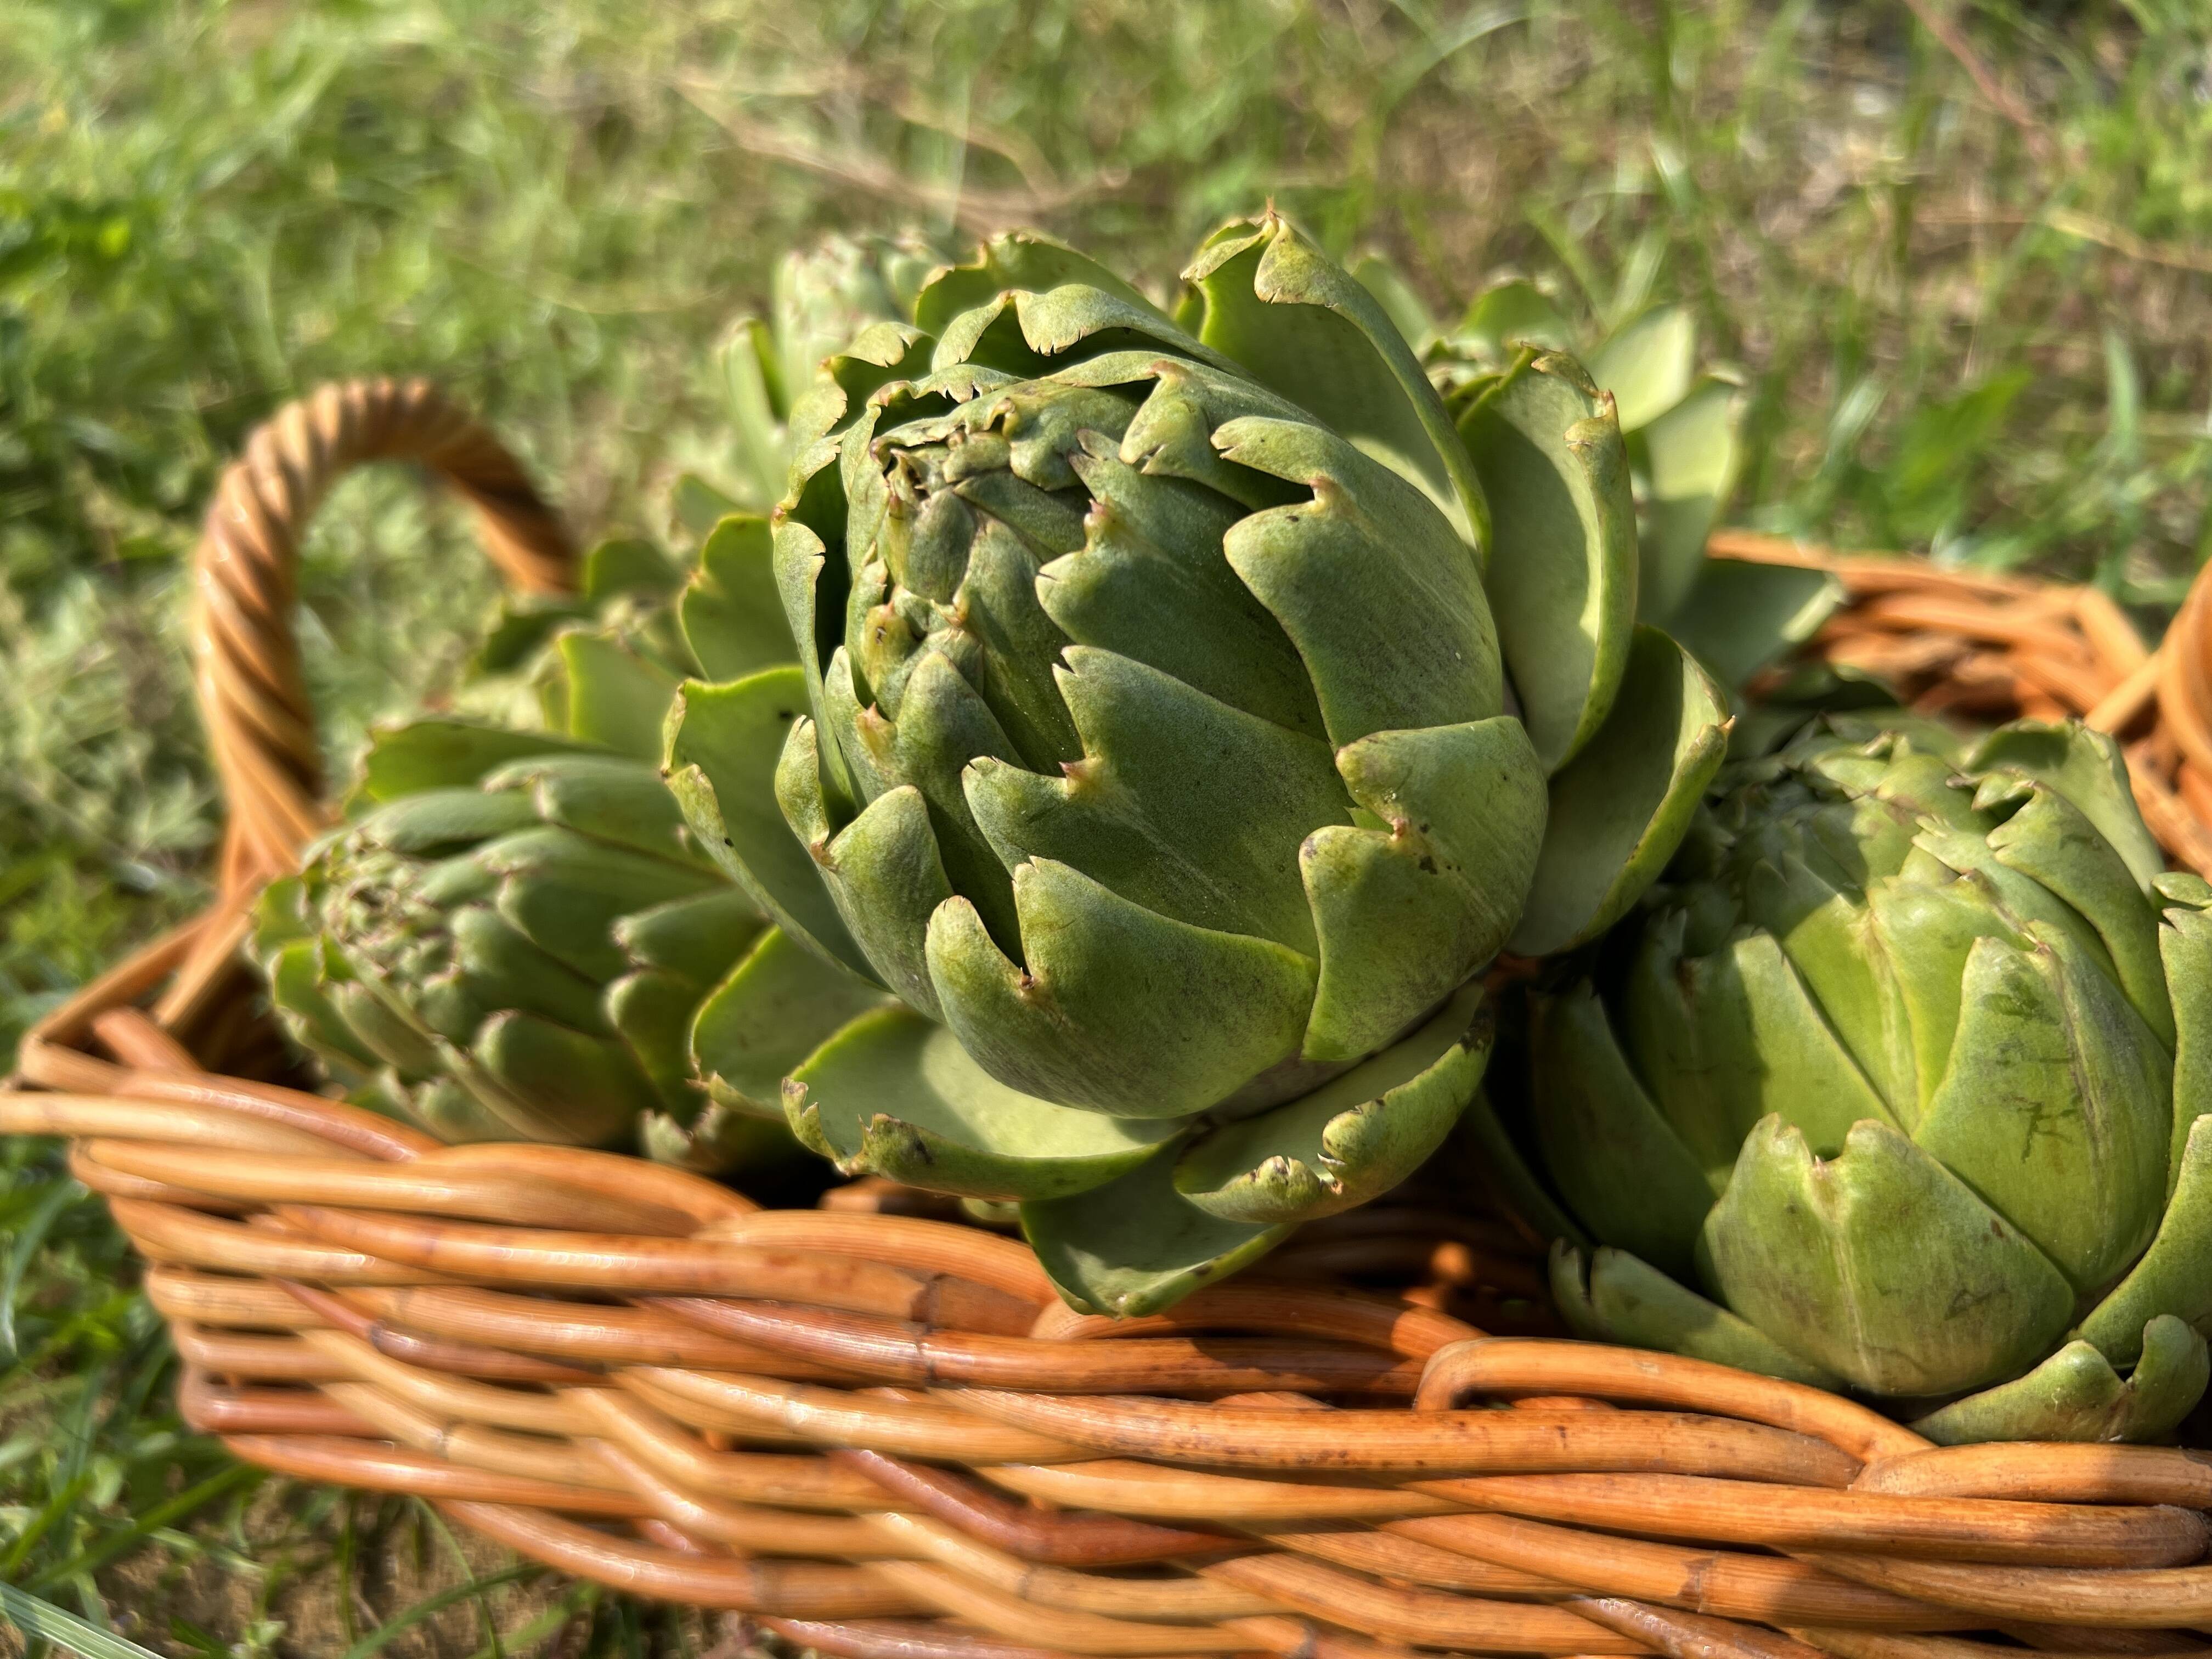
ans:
(1546, 444)
(894, 1094)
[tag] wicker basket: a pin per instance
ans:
(879, 1434)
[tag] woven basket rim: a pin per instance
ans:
(880, 1434)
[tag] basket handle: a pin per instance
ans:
(252, 694)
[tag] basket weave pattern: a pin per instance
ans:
(881, 1434)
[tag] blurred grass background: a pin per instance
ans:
(1966, 269)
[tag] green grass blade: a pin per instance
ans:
(431, 1605)
(42, 1621)
(162, 1514)
(22, 1248)
(526, 1637)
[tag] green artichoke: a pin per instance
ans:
(1903, 1066)
(1166, 746)
(1682, 425)
(822, 296)
(517, 939)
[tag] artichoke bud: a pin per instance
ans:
(520, 936)
(1050, 520)
(1704, 850)
(1941, 1077)
(446, 819)
(1174, 711)
(842, 704)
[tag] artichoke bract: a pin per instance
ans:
(1682, 425)
(517, 939)
(1166, 746)
(1905, 1068)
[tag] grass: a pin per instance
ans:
(1970, 283)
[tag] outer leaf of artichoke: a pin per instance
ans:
(891, 1094)
(1135, 1246)
(2075, 1394)
(1563, 577)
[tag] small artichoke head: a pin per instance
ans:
(515, 935)
(1889, 1070)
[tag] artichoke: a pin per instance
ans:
(1903, 1068)
(822, 296)
(1682, 426)
(1167, 746)
(517, 939)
